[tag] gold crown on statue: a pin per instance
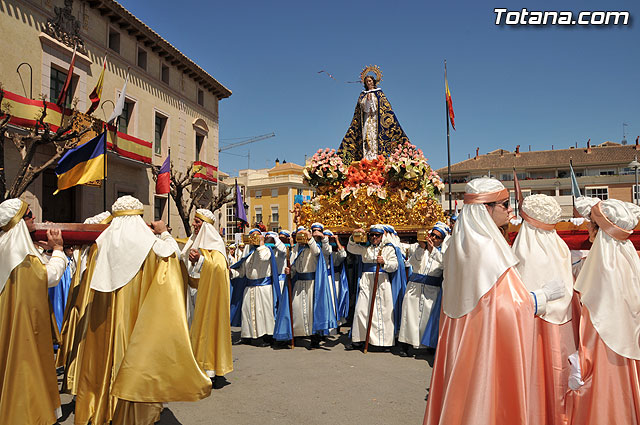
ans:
(375, 69)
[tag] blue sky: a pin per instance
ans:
(510, 85)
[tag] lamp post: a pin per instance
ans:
(635, 192)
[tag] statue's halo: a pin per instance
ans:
(375, 69)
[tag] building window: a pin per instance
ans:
(58, 78)
(125, 117)
(231, 221)
(636, 193)
(506, 177)
(200, 97)
(114, 40)
(274, 193)
(299, 192)
(121, 193)
(199, 143)
(142, 58)
(275, 217)
(597, 192)
(512, 197)
(159, 203)
(164, 73)
(258, 214)
(258, 194)
(160, 124)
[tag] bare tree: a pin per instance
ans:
(189, 194)
(66, 137)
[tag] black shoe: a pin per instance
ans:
(353, 346)
(315, 341)
(403, 353)
(218, 382)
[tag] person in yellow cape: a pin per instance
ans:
(481, 373)
(28, 383)
(605, 375)
(206, 260)
(74, 324)
(137, 352)
(543, 257)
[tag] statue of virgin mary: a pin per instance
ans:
(374, 129)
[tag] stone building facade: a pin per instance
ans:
(171, 103)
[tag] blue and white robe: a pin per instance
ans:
(383, 323)
(421, 300)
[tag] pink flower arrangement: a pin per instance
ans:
(324, 167)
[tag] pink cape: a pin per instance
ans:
(611, 391)
(550, 372)
(481, 374)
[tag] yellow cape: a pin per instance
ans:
(137, 352)
(211, 326)
(28, 383)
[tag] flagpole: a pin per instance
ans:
(446, 116)
(573, 197)
(169, 194)
(104, 180)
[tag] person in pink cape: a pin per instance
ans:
(605, 378)
(545, 257)
(481, 374)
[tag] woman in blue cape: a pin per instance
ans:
(374, 129)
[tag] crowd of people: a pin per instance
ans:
(522, 334)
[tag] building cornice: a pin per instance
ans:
(126, 21)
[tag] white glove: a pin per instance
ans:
(515, 221)
(553, 290)
(577, 221)
(575, 377)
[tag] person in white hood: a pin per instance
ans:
(543, 256)
(28, 384)
(605, 378)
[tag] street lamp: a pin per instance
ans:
(635, 192)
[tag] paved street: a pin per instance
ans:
(323, 386)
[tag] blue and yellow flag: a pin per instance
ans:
(82, 164)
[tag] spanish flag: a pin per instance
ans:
(94, 97)
(82, 164)
(449, 103)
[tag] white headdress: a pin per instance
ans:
(124, 245)
(543, 255)
(609, 283)
(477, 254)
(584, 204)
(102, 218)
(15, 242)
(207, 238)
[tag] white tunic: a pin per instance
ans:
(419, 298)
(302, 300)
(257, 301)
(382, 326)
